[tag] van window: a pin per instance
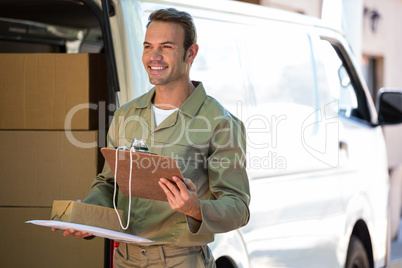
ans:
(218, 64)
(287, 73)
(337, 80)
(234, 59)
(266, 76)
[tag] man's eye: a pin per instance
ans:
(167, 46)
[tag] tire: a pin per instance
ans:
(357, 255)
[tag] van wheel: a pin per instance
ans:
(357, 256)
(225, 263)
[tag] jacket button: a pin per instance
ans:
(143, 251)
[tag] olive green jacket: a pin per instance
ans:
(209, 146)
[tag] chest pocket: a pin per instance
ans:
(189, 159)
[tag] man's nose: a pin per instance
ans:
(156, 55)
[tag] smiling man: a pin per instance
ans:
(178, 119)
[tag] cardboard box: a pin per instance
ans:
(27, 245)
(38, 167)
(37, 91)
(77, 212)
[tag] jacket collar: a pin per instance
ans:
(190, 106)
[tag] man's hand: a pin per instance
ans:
(182, 196)
(76, 234)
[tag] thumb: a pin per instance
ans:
(190, 185)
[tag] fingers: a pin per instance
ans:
(182, 196)
(178, 187)
(173, 187)
(76, 234)
(180, 184)
(165, 188)
(190, 185)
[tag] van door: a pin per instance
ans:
(362, 153)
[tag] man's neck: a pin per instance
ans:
(171, 97)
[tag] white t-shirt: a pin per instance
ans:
(161, 114)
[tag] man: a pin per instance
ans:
(178, 119)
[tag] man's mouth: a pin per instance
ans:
(157, 68)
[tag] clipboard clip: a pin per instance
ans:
(139, 145)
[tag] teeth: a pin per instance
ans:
(157, 68)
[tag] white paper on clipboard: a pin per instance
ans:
(96, 231)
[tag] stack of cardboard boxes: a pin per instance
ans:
(49, 118)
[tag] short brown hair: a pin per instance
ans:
(180, 17)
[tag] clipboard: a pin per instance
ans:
(147, 169)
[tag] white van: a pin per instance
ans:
(316, 155)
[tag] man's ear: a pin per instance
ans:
(192, 53)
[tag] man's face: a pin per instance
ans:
(163, 53)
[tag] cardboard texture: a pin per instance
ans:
(147, 169)
(77, 212)
(37, 91)
(28, 245)
(38, 167)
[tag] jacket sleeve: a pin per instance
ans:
(228, 181)
(102, 188)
